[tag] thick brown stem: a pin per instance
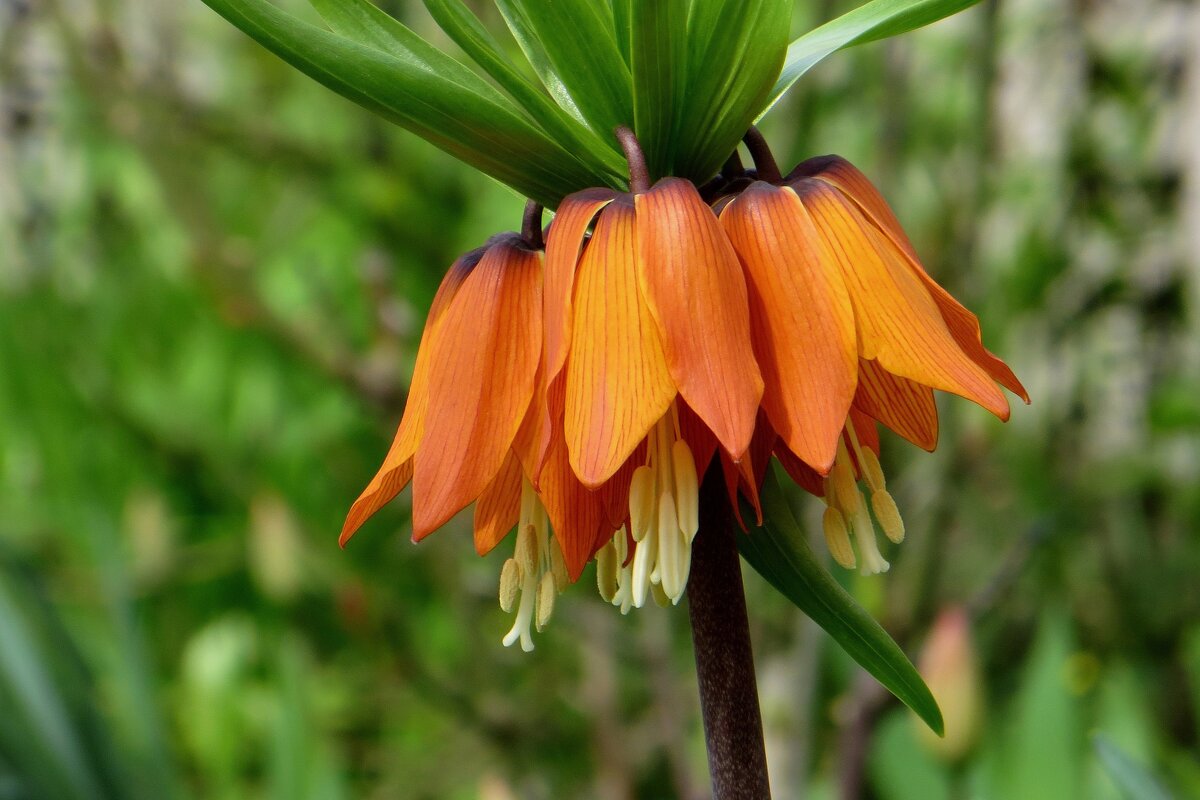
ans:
(639, 173)
(737, 758)
(764, 159)
(531, 225)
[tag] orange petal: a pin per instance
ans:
(615, 491)
(564, 242)
(801, 320)
(849, 179)
(499, 507)
(963, 325)
(748, 474)
(397, 467)
(387, 483)
(693, 284)
(618, 384)
(759, 456)
(484, 363)
(698, 437)
(578, 515)
(805, 476)
(866, 430)
(898, 323)
(904, 406)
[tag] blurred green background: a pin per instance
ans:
(213, 274)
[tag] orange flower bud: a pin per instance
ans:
(951, 670)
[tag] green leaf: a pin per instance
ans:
(362, 22)
(465, 29)
(779, 551)
(735, 51)
(419, 91)
(522, 30)
(658, 58)
(1134, 781)
(576, 38)
(1043, 752)
(39, 735)
(869, 22)
(623, 25)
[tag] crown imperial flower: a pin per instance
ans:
(577, 389)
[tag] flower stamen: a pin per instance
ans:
(847, 507)
(664, 499)
(536, 572)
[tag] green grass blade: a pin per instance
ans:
(779, 552)
(489, 134)
(869, 22)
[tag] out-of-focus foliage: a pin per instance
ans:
(212, 276)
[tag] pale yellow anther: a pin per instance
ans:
(606, 572)
(837, 537)
(644, 559)
(868, 462)
(546, 593)
(685, 569)
(847, 508)
(827, 488)
(687, 489)
(888, 515)
(530, 580)
(621, 544)
(641, 502)
(527, 550)
(624, 596)
(664, 499)
(510, 584)
(558, 567)
(845, 489)
(669, 542)
(872, 472)
(660, 596)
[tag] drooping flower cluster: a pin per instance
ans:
(580, 392)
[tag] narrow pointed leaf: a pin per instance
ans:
(657, 31)
(878, 19)
(779, 551)
(622, 25)
(735, 51)
(461, 25)
(362, 22)
(38, 734)
(419, 92)
(522, 30)
(577, 39)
